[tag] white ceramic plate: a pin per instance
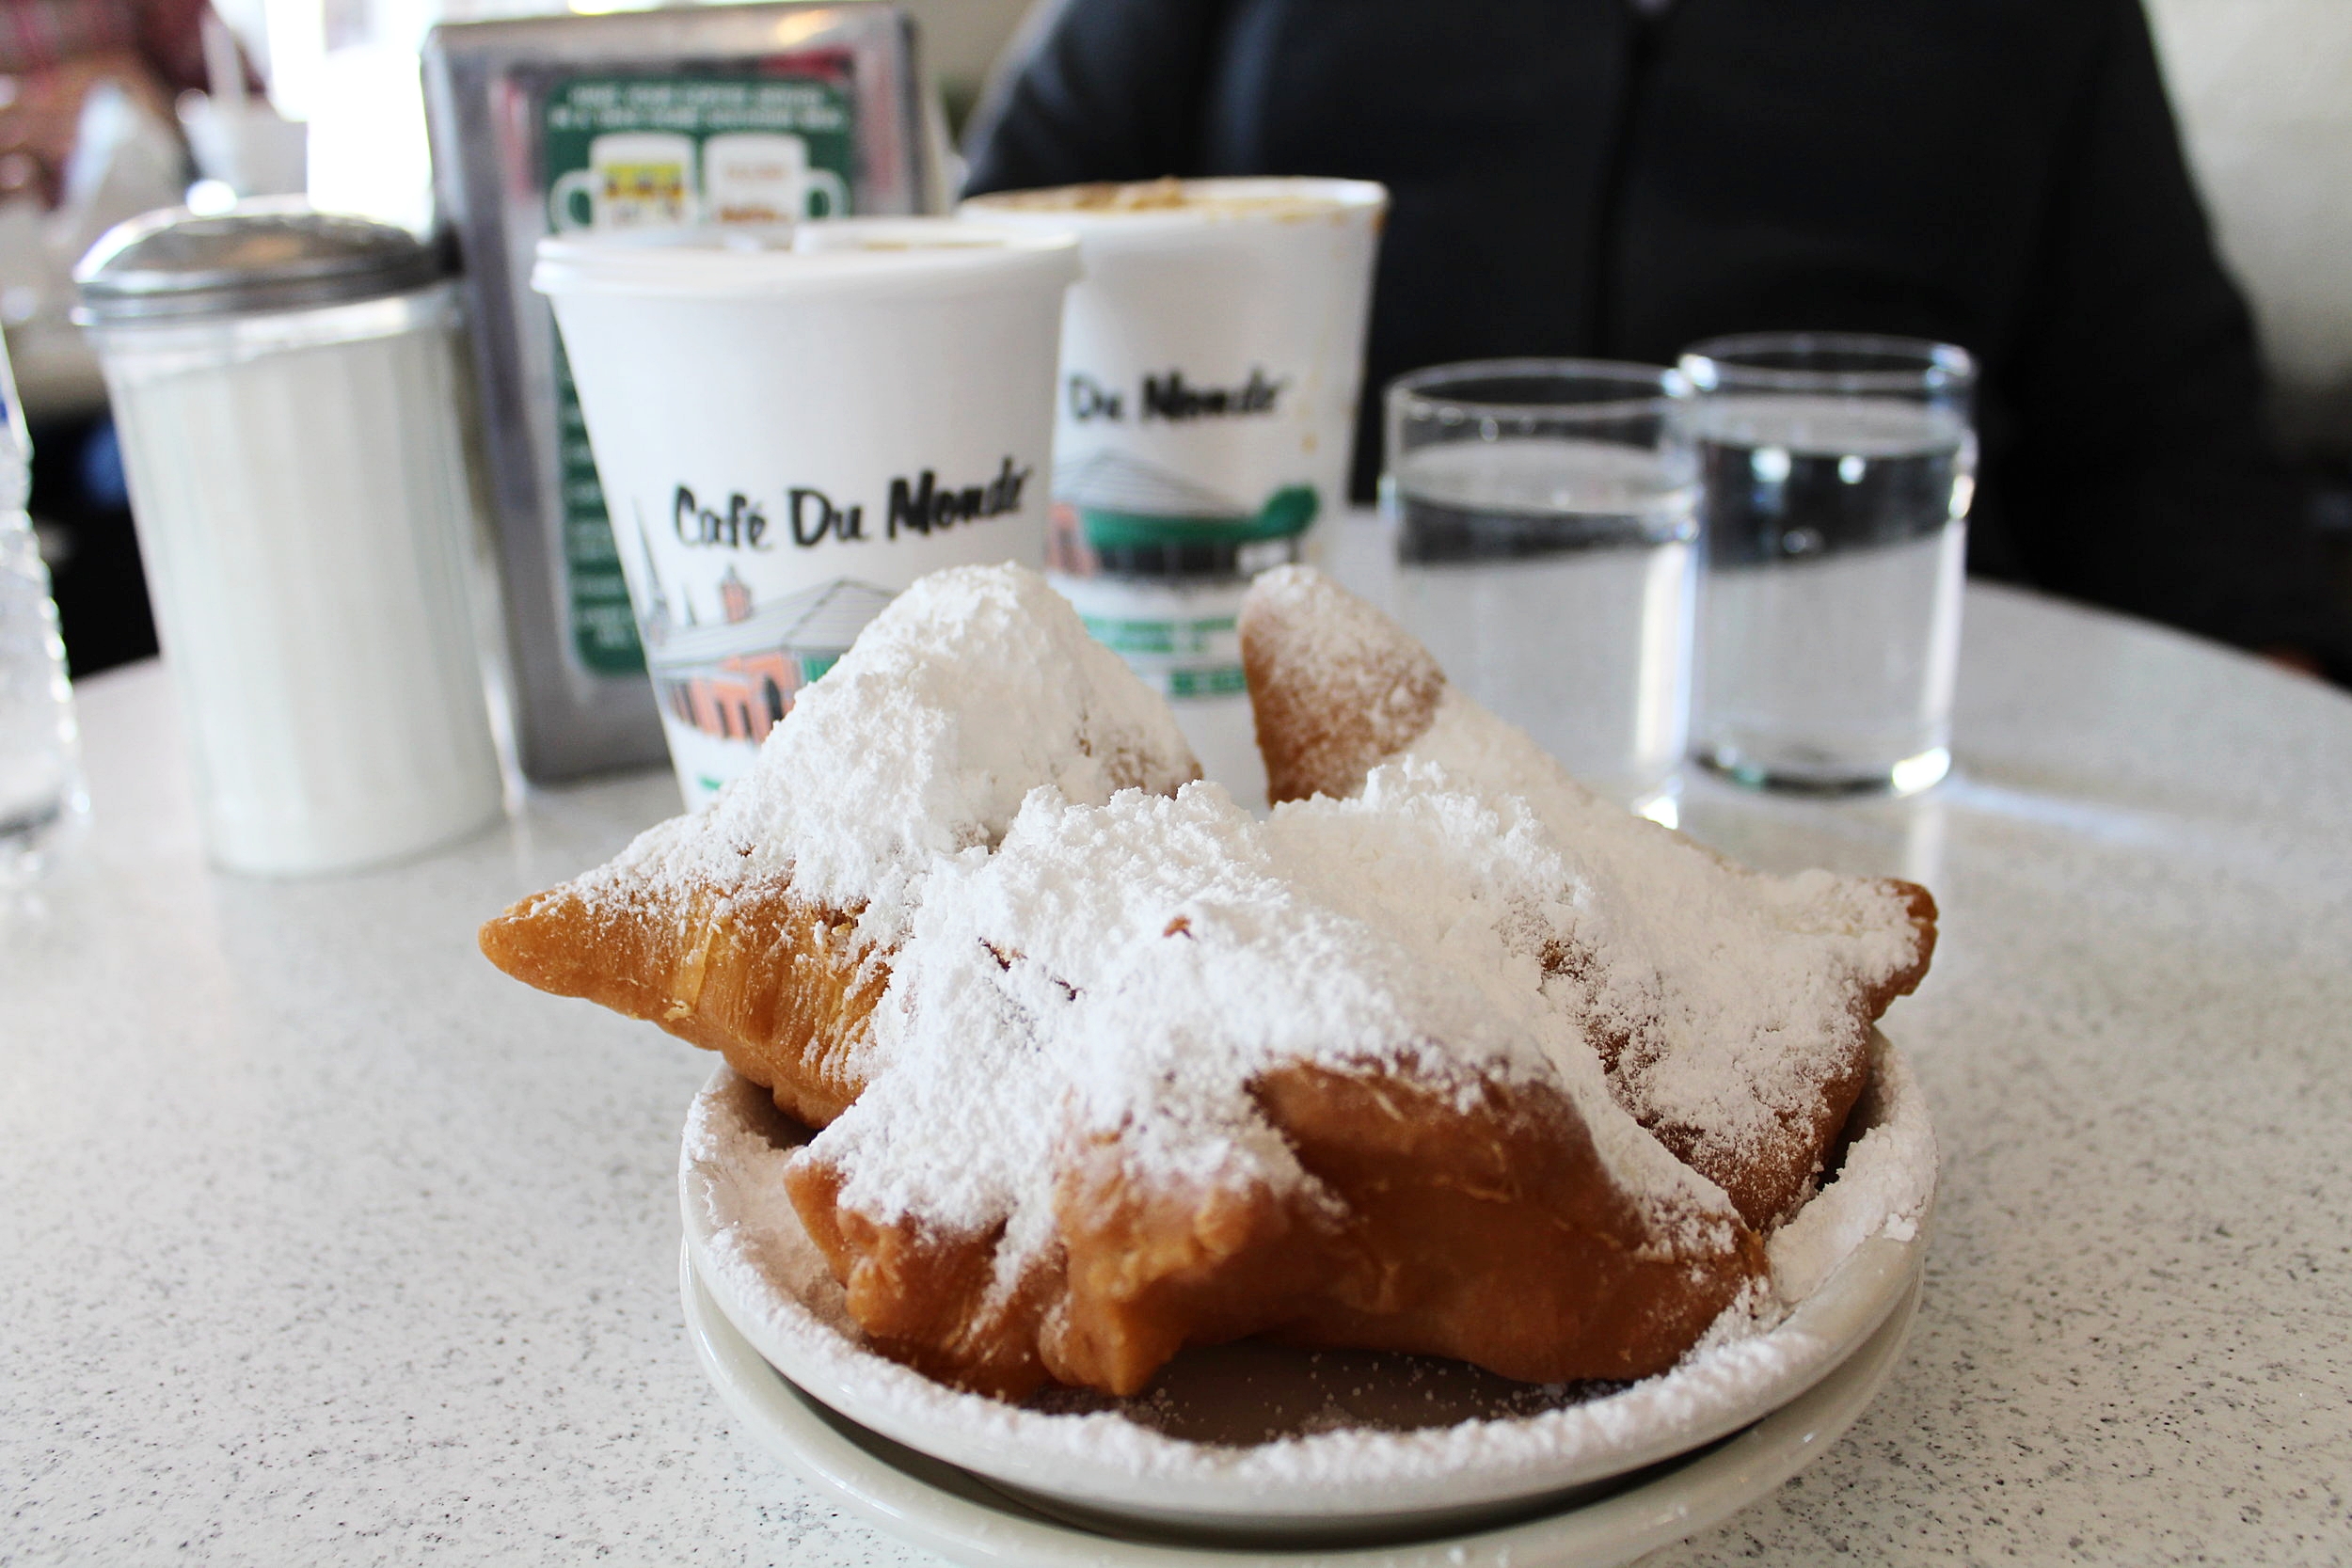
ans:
(1374, 1445)
(967, 1521)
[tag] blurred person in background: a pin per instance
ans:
(53, 52)
(1620, 179)
(70, 68)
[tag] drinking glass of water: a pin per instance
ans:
(1547, 554)
(1837, 471)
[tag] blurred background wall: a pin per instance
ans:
(2263, 88)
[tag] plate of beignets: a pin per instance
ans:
(1055, 1074)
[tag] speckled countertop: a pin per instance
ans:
(320, 1241)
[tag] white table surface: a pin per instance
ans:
(321, 1241)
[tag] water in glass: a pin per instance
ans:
(1829, 628)
(1552, 580)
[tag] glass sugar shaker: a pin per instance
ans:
(291, 409)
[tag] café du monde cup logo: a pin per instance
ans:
(916, 506)
(727, 663)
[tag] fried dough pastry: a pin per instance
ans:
(1146, 1088)
(1731, 1010)
(1104, 1068)
(761, 928)
(1491, 1234)
(782, 988)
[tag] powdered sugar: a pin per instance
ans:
(1477, 882)
(1132, 969)
(1726, 997)
(1884, 1188)
(969, 688)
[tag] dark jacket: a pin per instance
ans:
(1570, 178)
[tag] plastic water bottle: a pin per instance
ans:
(41, 798)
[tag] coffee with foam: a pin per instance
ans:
(1169, 194)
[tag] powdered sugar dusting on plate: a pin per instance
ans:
(775, 1286)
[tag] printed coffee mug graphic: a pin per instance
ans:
(634, 180)
(765, 177)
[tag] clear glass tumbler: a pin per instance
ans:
(1547, 555)
(41, 798)
(40, 782)
(1837, 472)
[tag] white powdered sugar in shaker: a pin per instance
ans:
(288, 396)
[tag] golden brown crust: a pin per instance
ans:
(1494, 1233)
(1335, 686)
(1769, 1184)
(1919, 908)
(925, 1297)
(1491, 1233)
(782, 988)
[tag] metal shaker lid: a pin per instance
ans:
(176, 265)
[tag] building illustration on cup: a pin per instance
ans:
(655, 179)
(1110, 505)
(1156, 561)
(735, 679)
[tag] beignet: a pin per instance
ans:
(1105, 1067)
(1732, 1011)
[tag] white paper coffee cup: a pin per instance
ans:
(1211, 358)
(792, 425)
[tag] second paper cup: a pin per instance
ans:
(1211, 357)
